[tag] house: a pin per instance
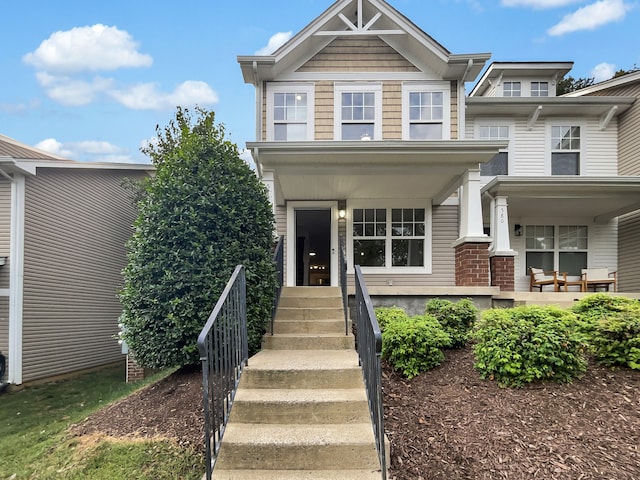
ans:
(628, 165)
(365, 133)
(63, 228)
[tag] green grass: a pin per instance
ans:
(35, 442)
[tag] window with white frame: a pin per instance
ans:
(539, 89)
(511, 89)
(358, 112)
(426, 111)
(499, 164)
(389, 237)
(290, 112)
(557, 247)
(565, 150)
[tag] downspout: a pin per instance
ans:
(16, 278)
(462, 103)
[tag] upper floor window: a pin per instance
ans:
(539, 89)
(358, 112)
(565, 150)
(290, 112)
(499, 164)
(511, 89)
(426, 111)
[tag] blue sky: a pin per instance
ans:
(91, 80)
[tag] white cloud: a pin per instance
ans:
(275, 42)
(87, 150)
(538, 3)
(603, 71)
(245, 155)
(93, 48)
(71, 91)
(591, 17)
(146, 96)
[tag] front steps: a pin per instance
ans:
(301, 410)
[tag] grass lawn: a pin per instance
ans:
(35, 442)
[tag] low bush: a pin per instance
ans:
(387, 315)
(414, 345)
(457, 319)
(524, 344)
(611, 326)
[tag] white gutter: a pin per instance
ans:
(16, 278)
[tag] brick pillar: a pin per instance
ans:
(134, 371)
(472, 264)
(503, 273)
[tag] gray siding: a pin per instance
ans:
(76, 226)
(629, 260)
(5, 236)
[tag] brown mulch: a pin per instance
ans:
(448, 423)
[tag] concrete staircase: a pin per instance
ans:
(301, 410)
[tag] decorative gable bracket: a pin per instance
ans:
(360, 27)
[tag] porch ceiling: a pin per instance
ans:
(599, 198)
(386, 169)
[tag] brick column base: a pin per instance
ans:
(134, 371)
(472, 265)
(503, 273)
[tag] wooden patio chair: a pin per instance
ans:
(599, 278)
(539, 278)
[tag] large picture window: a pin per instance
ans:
(290, 112)
(557, 247)
(565, 150)
(358, 112)
(389, 237)
(426, 114)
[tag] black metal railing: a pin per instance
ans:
(224, 353)
(278, 260)
(343, 286)
(369, 346)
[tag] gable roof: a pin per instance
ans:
(620, 81)
(364, 18)
(13, 149)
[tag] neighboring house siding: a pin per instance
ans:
(358, 55)
(629, 265)
(76, 226)
(445, 232)
(601, 149)
(5, 229)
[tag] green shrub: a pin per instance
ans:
(524, 344)
(611, 326)
(415, 344)
(457, 319)
(387, 315)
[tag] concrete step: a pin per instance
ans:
(311, 292)
(303, 314)
(298, 447)
(297, 475)
(338, 406)
(309, 326)
(310, 302)
(314, 369)
(316, 341)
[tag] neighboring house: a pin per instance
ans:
(628, 165)
(63, 228)
(365, 133)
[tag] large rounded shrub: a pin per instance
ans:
(388, 315)
(414, 345)
(204, 212)
(457, 319)
(612, 328)
(524, 344)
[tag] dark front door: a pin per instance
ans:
(313, 247)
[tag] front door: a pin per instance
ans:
(312, 249)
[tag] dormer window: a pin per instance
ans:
(511, 89)
(358, 112)
(290, 112)
(426, 111)
(539, 89)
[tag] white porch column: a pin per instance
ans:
(471, 228)
(500, 227)
(269, 180)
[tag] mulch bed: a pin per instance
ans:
(448, 423)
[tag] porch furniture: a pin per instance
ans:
(574, 283)
(539, 278)
(599, 278)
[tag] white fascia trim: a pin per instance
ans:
(16, 279)
(357, 76)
